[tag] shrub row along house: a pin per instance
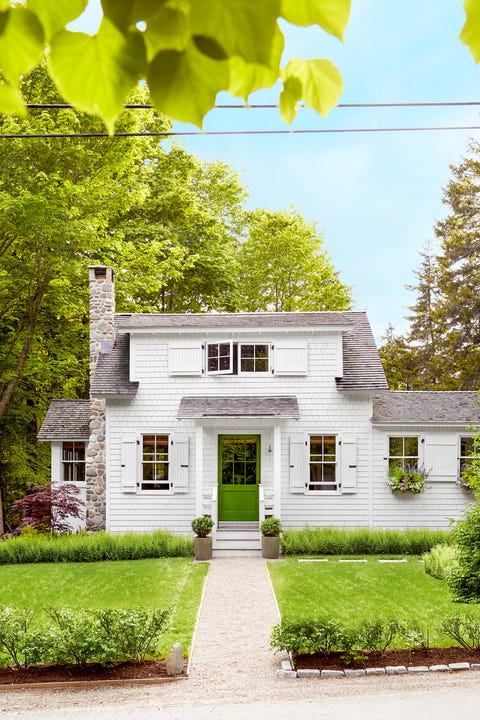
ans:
(245, 415)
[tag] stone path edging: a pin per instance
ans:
(287, 671)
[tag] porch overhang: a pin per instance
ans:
(240, 406)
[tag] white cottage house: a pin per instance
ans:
(245, 415)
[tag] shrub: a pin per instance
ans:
(48, 509)
(306, 637)
(465, 630)
(376, 635)
(440, 561)
(464, 580)
(360, 541)
(82, 547)
(271, 527)
(202, 526)
(19, 643)
(134, 633)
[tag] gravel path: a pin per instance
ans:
(230, 661)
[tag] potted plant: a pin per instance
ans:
(407, 480)
(202, 527)
(271, 528)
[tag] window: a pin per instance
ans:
(229, 358)
(323, 463)
(73, 461)
(467, 447)
(155, 463)
(254, 358)
(219, 358)
(402, 451)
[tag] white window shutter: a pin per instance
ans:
(290, 358)
(179, 462)
(440, 458)
(348, 464)
(297, 464)
(185, 359)
(128, 467)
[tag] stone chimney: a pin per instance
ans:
(102, 338)
(102, 311)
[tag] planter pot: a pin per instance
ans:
(203, 548)
(271, 547)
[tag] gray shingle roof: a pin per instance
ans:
(66, 420)
(111, 376)
(240, 406)
(362, 369)
(146, 321)
(404, 407)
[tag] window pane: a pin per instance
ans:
(261, 351)
(411, 447)
(212, 364)
(396, 447)
(329, 445)
(329, 473)
(261, 365)
(225, 350)
(247, 351)
(315, 473)
(225, 363)
(247, 365)
(466, 446)
(251, 473)
(316, 445)
(212, 350)
(149, 447)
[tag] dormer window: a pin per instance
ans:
(229, 358)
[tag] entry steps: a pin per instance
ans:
(237, 539)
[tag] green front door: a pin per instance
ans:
(238, 477)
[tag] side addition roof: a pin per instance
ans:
(426, 407)
(239, 406)
(66, 420)
(362, 369)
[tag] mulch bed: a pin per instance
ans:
(435, 656)
(150, 669)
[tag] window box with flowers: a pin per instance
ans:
(408, 480)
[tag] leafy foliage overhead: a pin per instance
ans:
(187, 51)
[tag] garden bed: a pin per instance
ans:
(147, 670)
(434, 656)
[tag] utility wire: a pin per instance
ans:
(238, 106)
(172, 133)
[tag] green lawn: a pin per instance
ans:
(174, 583)
(353, 592)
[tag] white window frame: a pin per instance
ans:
(72, 464)
(254, 372)
(419, 457)
(166, 482)
(463, 458)
(219, 372)
(309, 482)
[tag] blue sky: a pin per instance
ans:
(375, 196)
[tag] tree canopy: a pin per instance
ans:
(441, 350)
(185, 50)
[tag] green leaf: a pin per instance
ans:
(317, 82)
(470, 34)
(331, 15)
(241, 27)
(56, 14)
(166, 30)
(97, 73)
(21, 43)
(245, 78)
(184, 85)
(11, 101)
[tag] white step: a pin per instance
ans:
(230, 552)
(232, 543)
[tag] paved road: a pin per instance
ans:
(448, 704)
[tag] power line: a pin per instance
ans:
(245, 106)
(173, 133)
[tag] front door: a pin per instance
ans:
(238, 477)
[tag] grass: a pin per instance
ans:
(350, 593)
(174, 583)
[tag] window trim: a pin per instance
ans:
(404, 457)
(254, 372)
(336, 463)
(142, 462)
(230, 370)
(74, 462)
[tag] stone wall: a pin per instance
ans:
(102, 338)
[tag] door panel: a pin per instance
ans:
(238, 477)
